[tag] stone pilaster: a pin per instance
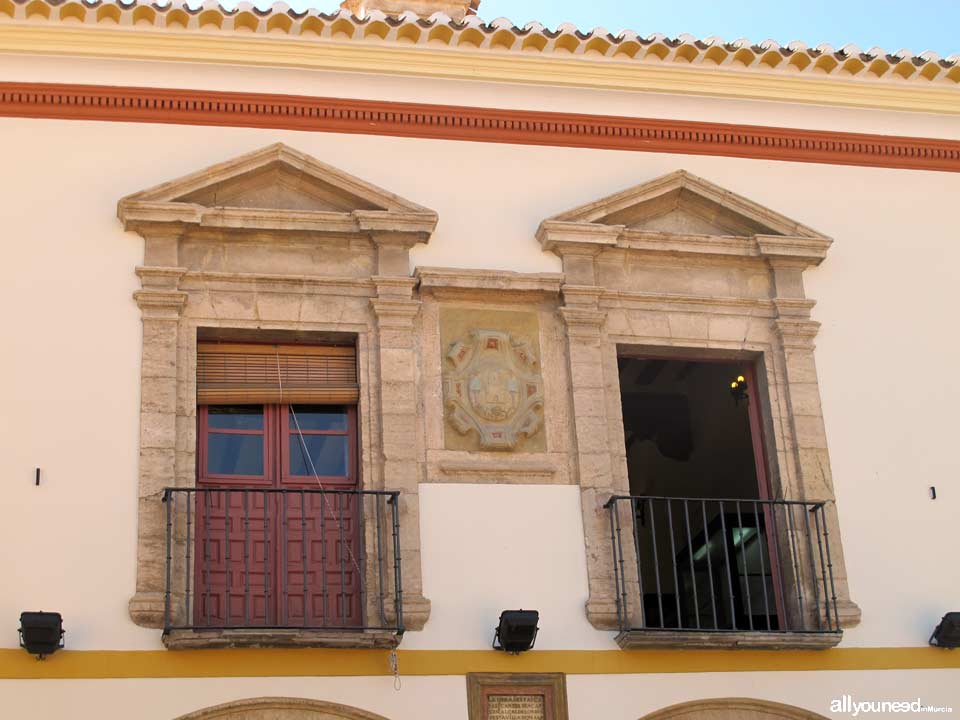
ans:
(811, 459)
(161, 305)
(396, 313)
(584, 329)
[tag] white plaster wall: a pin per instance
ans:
(518, 547)
(590, 697)
(71, 335)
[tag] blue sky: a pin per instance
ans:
(890, 24)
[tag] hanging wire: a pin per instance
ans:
(316, 476)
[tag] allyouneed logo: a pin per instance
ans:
(846, 704)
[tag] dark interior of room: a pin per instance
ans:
(703, 556)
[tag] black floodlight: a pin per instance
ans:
(947, 634)
(517, 631)
(41, 633)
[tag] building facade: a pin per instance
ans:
(332, 337)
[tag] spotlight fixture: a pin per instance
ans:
(41, 633)
(517, 631)
(738, 389)
(947, 634)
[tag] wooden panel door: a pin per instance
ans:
(319, 450)
(266, 558)
(231, 569)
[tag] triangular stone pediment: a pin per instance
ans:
(277, 188)
(681, 212)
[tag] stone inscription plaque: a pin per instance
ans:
(516, 707)
(517, 696)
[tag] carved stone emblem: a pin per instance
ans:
(492, 385)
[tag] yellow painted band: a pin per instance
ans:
(467, 65)
(260, 662)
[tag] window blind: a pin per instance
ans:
(234, 373)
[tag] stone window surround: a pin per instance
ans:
(605, 318)
(186, 284)
(383, 317)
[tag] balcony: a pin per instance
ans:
(282, 567)
(713, 573)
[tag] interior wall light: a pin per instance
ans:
(517, 631)
(738, 389)
(41, 633)
(947, 633)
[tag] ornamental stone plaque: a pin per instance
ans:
(509, 696)
(492, 382)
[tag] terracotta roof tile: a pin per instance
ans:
(597, 45)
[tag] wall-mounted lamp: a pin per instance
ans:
(41, 633)
(947, 634)
(517, 631)
(738, 389)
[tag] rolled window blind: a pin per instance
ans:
(230, 374)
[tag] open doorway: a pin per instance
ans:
(698, 481)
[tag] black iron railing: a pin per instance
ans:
(722, 565)
(298, 559)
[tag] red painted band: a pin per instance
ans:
(447, 122)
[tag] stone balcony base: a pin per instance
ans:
(679, 639)
(206, 639)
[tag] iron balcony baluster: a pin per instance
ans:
(673, 560)
(783, 617)
(706, 534)
(726, 557)
(188, 567)
(397, 574)
(656, 558)
(762, 538)
(746, 569)
(693, 571)
(168, 500)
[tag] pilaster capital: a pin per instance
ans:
(394, 288)
(395, 312)
(794, 251)
(581, 296)
(153, 276)
(793, 309)
(157, 304)
(583, 322)
(797, 333)
(565, 237)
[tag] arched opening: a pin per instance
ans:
(275, 708)
(732, 709)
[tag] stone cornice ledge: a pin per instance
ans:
(208, 639)
(496, 471)
(565, 237)
(434, 278)
(268, 282)
(580, 238)
(681, 639)
(141, 215)
(799, 251)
